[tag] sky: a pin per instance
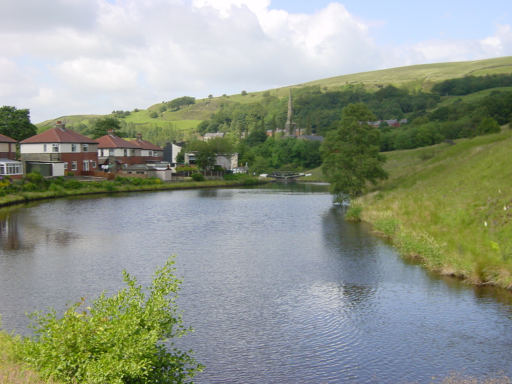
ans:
(64, 57)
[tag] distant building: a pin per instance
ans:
(171, 151)
(149, 152)
(114, 152)
(226, 161)
(213, 135)
(57, 150)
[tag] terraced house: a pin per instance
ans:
(58, 150)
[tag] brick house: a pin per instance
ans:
(8, 164)
(58, 150)
(7, 147)
(149, 152)
(114, 152)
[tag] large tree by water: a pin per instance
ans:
(350, 153)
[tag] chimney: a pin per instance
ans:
(59, 124)
(110, 132)
(139, 136)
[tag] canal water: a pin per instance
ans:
(278, 287)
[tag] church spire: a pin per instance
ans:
(289, 127)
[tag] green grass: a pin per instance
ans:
(93, 188)
(472, 97)
(12, 370)
(450, 206)
(317, 176)
(420, 76)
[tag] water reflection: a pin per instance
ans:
(20, 232)
(9, 232)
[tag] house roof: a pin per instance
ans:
(113, 141)
(6, 139)
(59, 135)
(143, 144)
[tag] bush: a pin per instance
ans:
(117, 339)
(34, 177)
(72, 184)
(197, 177)
(30, 187)
(354, 213)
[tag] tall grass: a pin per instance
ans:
(11, 370)
(450, 206)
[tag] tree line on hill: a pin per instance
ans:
(318, 111)
(432, 117)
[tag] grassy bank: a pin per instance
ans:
(450, 206)
(119, 185)
(12, 371)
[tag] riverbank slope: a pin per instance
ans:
(450, 206)
(119, 185)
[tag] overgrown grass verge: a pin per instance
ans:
(120, 185)
(12, 370)
(450, 207)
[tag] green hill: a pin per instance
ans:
(179, 123)
(450, 206)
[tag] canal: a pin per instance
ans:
(277, 286)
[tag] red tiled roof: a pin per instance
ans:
(6, 139)
(112, 141)
(59, 135)
(143, 144)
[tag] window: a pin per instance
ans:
(74, 166)
(101, 153)
(125, 152)
(111, 152)
(45, 149)
(85, 166)
(10, 169)
(85, 147)
(55, 147)
(93, 164)
(65, 166)
(73, 147)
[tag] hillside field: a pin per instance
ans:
(450, 207)
(186, 119)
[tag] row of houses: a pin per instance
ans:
(60, 150)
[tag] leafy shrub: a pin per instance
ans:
(118, 339)
(353, 213)
(34, 177)
(30, 187)
(55, 187)
(73, 184)
(197, 177)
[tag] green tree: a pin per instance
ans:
(16, 123)
(351, 155)
(118, 339)
(102, 126)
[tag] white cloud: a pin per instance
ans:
(499, 44)
(93, 56)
